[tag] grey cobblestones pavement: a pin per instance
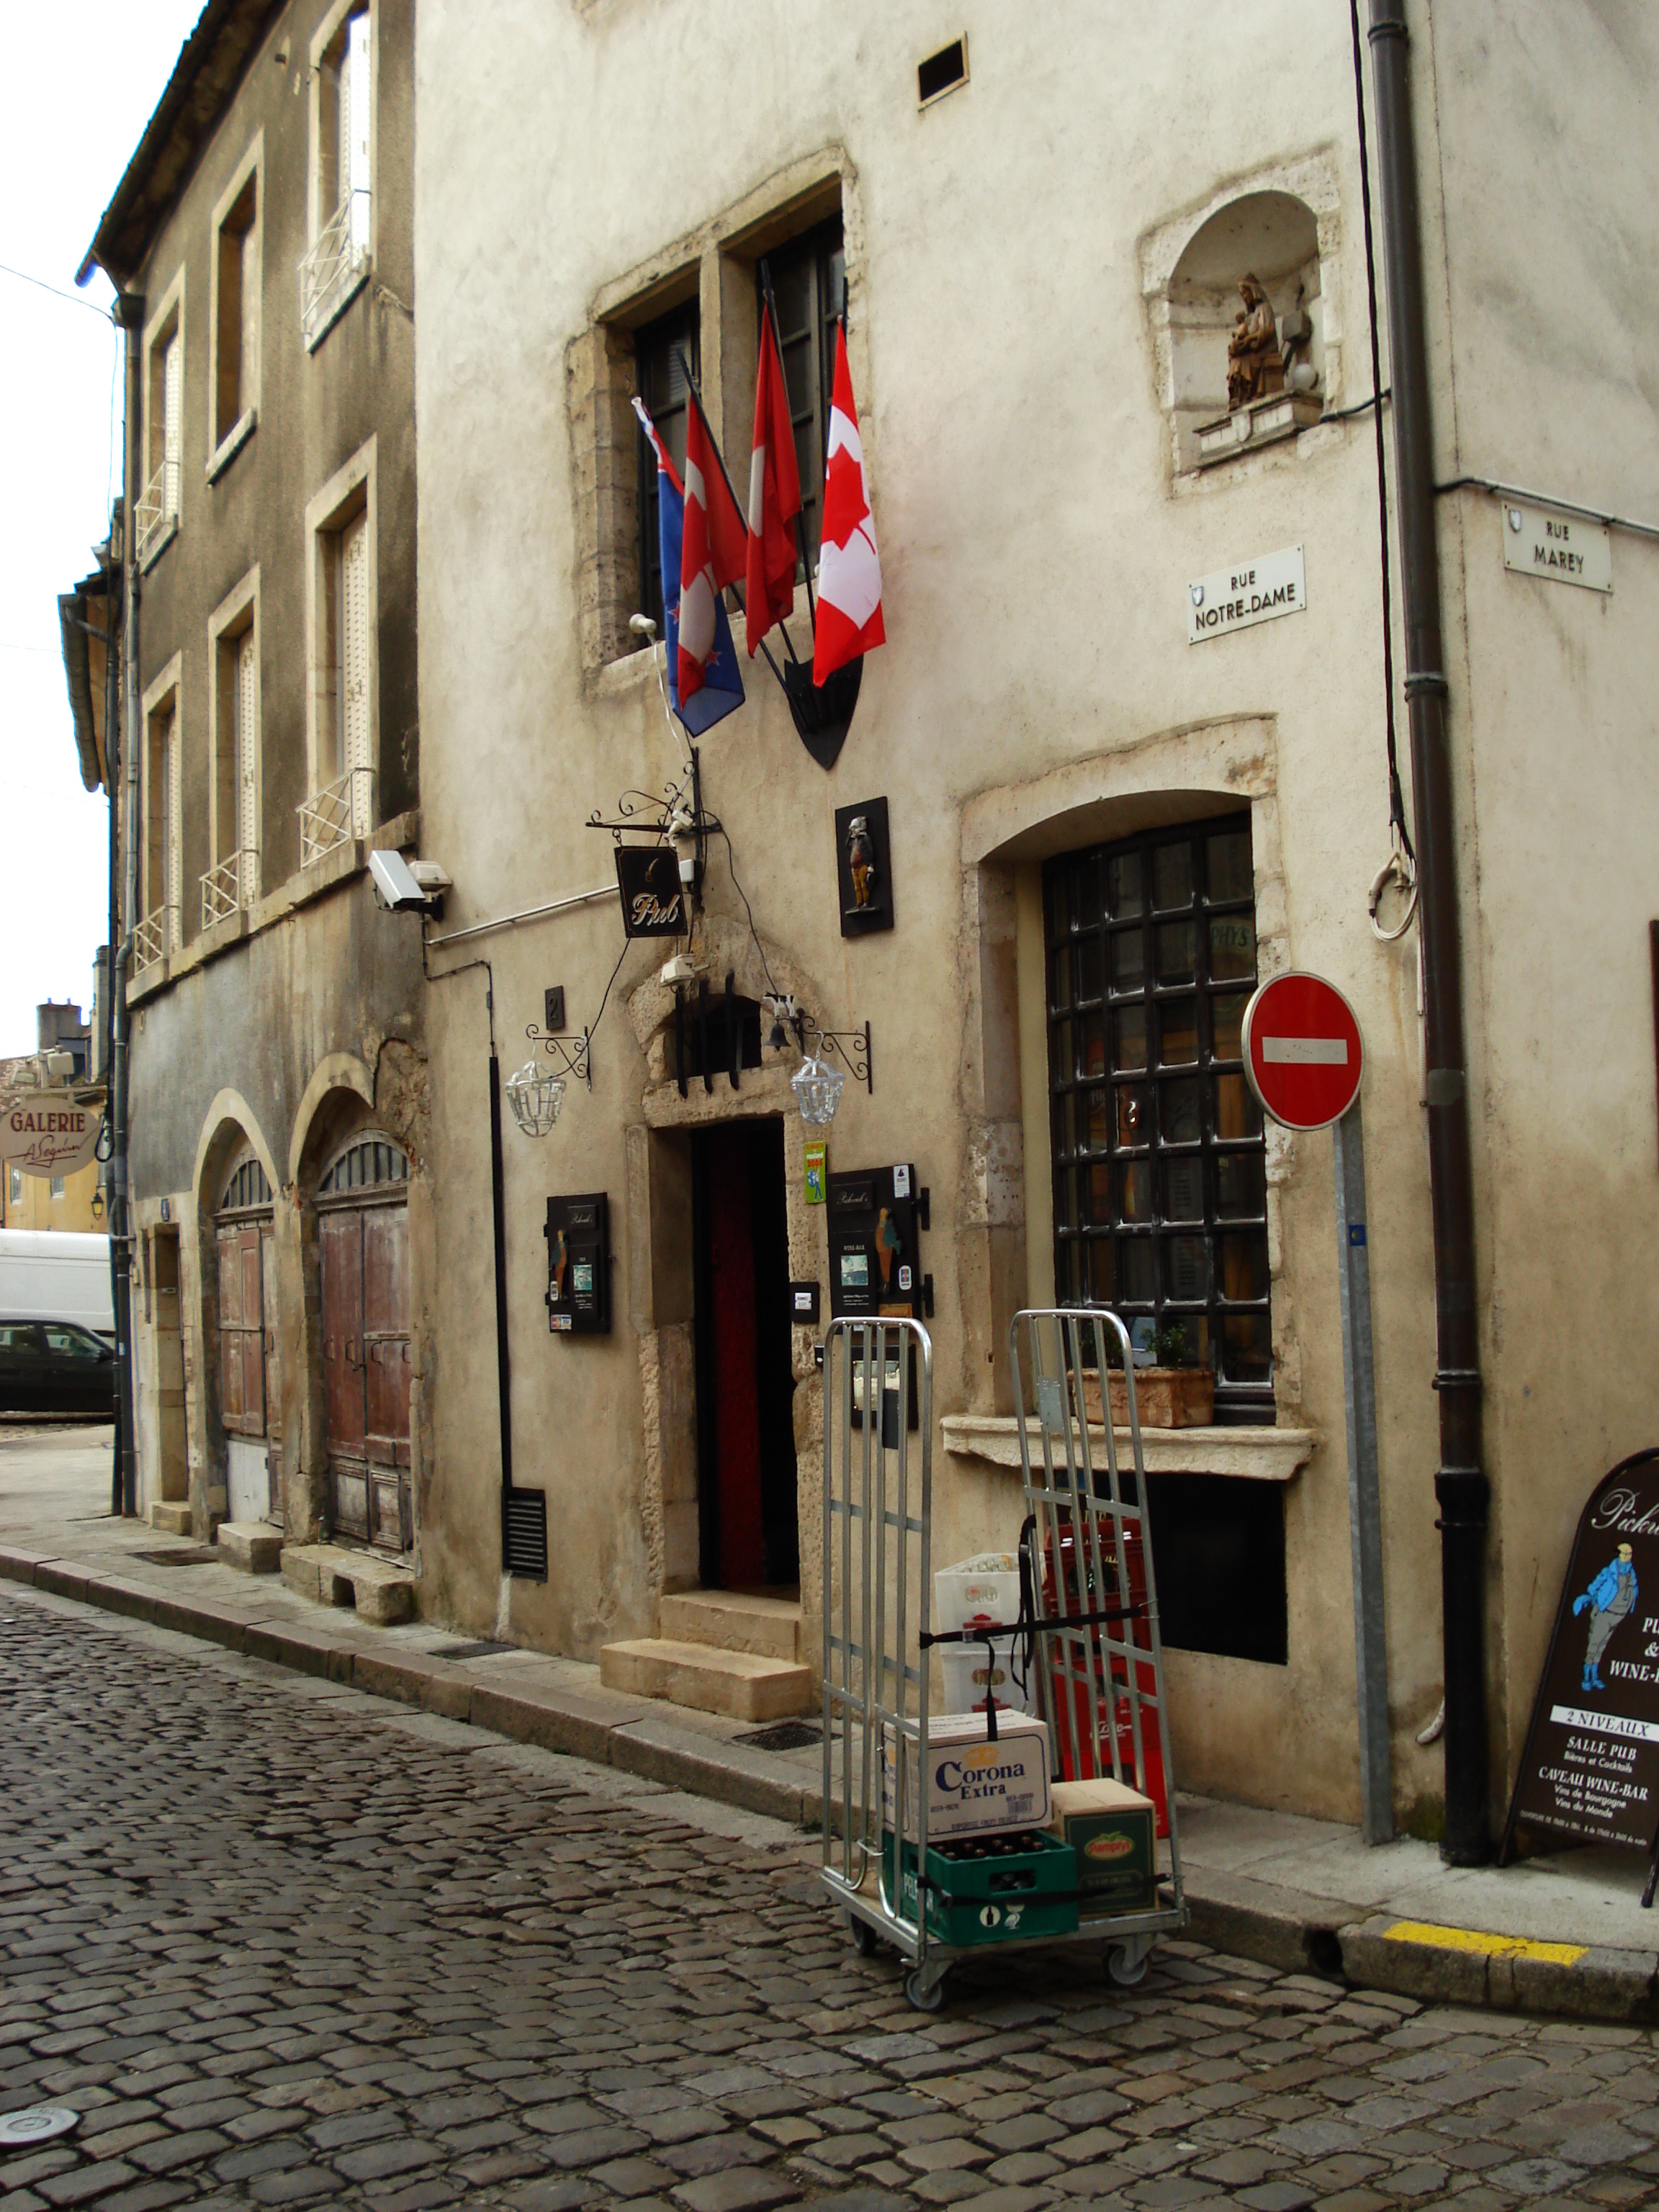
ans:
(279, 1946)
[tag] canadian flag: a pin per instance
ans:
(849, 568)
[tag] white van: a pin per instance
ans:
(53, 1275)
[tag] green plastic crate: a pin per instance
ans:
(993, 1899)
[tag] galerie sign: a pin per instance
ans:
(1251, 591)
(48, 1134)
(1591, 1765)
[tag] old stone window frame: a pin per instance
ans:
(1314, 180)
(329, 293)
(161, 829)
(235, 273)
(350, 494)
(235, 750)
(161, 493)
(716, 266)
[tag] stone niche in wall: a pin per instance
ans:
(1281, 232)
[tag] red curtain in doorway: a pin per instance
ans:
(737, 1414)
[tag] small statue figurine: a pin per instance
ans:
(860, 861)
(1255, 367)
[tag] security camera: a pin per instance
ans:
(399, 889)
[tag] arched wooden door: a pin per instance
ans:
(249, 1400)
(362, 1202)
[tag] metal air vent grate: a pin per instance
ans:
(527, 1534)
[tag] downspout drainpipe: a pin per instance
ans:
(114, 635)
(503, 1369)
(124, 801)
(1461, 1484)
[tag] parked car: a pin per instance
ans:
(55, 1367)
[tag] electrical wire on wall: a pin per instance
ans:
(1400, 866)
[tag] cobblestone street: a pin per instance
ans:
(279, 1943)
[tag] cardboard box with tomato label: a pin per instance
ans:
(1110, 1828)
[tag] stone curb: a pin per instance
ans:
(1291, 1930)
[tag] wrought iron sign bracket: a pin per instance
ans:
(851, 1046)
(571, 1060)
(667, 817)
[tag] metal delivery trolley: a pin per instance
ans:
(1088, 1626)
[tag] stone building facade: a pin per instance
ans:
(262, 237)
(1109, 818)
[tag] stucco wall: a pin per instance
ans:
(1036, 556)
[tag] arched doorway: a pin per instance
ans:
(249, 1399)
(363, 1225)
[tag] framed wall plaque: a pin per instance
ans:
(864, 868)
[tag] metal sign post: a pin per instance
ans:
(1370, 1647)
(1305, 1060)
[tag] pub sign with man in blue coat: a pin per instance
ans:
(1591, 1765)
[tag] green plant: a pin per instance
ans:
(1169, 1345)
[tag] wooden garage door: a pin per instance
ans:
(364, 1224)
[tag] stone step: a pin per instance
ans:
(734, 1620)
(740, 1684)
(254, 1546)
(171, 1515)
(328, 1574)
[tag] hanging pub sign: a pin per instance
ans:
(1591, 1765)
(653, 896)
(49, 1134)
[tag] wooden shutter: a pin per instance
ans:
(354, 665)
(247, 764)
(172, 420)
(386, 1332)
(231, 1403)
(175, 890)
(343, 1330)
(354, 131)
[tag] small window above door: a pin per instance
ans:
(366, 1162)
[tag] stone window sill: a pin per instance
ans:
(1255, 1454)
(233, 442)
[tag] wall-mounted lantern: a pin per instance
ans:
(816, 1085)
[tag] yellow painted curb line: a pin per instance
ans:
(1491, 1947)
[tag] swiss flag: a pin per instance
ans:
(774, 498)
(849, 568)
(712, 549)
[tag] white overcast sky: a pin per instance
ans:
(76, 93)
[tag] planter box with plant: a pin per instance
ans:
(1169, 1395)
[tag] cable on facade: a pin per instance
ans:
(1400, 866)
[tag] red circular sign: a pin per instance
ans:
(1302, 1050)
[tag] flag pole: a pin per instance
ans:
(800, 522)
(692, 385)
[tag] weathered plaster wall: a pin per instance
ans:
(1035, 555)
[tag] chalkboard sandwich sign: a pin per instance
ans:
(1591, 1765)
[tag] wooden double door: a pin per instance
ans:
(366, 1359)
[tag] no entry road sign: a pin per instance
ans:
(1302, 1050)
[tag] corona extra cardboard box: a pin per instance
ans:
(974, 1787)
(1109, 1826)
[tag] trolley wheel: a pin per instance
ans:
(926, 1991)
(1126, 1962)
(866, 1941)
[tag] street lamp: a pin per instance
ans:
(535, 1094)
(817, 1088)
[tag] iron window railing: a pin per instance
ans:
(154, 938)
(1160, 1159)
(329, 270)
(340, 811)
(226, 888)
(157, 506)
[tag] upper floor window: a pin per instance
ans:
(234, 325)
(1160, 1159)
(661, 351)
(342, 704)
(809, 283)
(342, 185)
(159, 853)
(164, 422)
(232, 881)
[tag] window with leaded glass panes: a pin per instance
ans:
(808, 284)
(661, 351)
(1159, 1162)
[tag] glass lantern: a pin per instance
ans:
(817, 1090)
(535, 1094)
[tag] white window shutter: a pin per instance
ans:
(354, 667)
(354, 89)
(174, 861)
(172, 421)
(247, 766)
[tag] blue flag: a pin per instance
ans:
(722, 685)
